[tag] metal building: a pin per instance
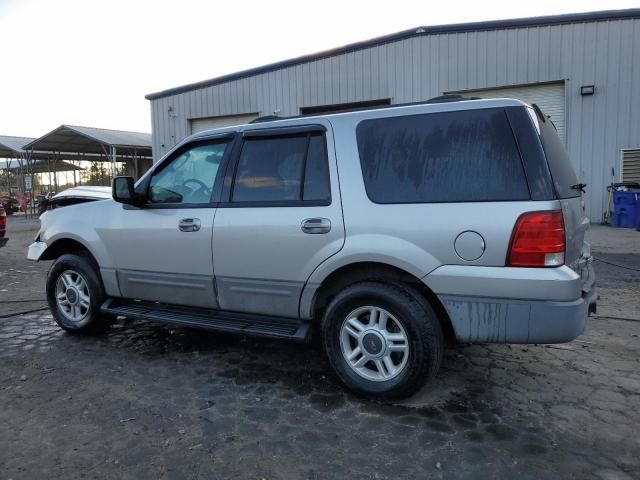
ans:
(582, 69)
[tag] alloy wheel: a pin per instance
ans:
(72, 296)
(374, 343)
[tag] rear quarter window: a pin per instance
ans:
(563, 174)
(462, 156)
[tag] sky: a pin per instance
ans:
(91, 62)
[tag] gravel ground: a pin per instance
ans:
(148, 401)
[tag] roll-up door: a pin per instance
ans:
(549, 97)
(209, 123)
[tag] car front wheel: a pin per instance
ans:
(75, 294)
(383, 340)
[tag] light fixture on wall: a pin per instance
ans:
(587, 90)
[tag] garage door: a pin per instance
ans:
(209, 123)
(549, 97)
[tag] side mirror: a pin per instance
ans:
(123, 191)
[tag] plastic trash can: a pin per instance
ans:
(626, 208)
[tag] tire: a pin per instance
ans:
(410, 316)
(81, 274)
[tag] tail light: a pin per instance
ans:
(3, 219)
(537, 240)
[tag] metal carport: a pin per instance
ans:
(21, 161)
(97, 144)
(12, 149)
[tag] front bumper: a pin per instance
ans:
(498, 320)
(36, 249)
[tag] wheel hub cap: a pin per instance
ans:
(72, 297)
(374, 343)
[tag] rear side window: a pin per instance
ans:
(282, 169)
(562, 173)
(316, 179)
(463, 156)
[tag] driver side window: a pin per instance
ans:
(189, 177)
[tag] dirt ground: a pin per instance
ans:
(149, 401)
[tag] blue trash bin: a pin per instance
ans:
(626, 209)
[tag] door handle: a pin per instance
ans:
(189, 225)
(315, 226)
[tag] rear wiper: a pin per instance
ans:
(579, 186)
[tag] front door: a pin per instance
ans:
(282, 217)
(162, 250)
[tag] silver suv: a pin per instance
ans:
(387, 231)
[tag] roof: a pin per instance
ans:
(39, 166)
(9, 164)
(414, 32)
(415, 108)
(72, 138)
(10, 146)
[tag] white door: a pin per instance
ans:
(550, 97)
(210, 123)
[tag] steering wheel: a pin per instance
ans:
(201, 186)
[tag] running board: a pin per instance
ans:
(209, 319)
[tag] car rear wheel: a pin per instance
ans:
(75, 294)
(383, 340)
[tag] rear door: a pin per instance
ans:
(282, 217)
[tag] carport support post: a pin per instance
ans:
(55, 172)
(28, 160)
(113, 162)
(136, 166)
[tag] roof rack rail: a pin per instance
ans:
(268, 118)
(441, 99)
(450, 97)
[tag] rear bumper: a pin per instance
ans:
(559, 284)
(499, 320)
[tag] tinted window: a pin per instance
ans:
(462, 156)
(562, 172)
(274, 169)
(189, 177)
(316, 178)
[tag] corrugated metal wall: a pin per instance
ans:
(605, 54)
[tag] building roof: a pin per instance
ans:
(9, 164)
(72, 138)
(10, 146)
(599, 16)
(38, 166)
